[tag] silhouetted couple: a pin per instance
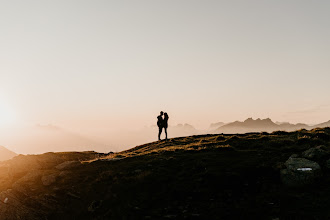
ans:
(162, 123)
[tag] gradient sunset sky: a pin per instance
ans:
(116, 64)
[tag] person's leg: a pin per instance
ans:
(165, 133)
(159, 132)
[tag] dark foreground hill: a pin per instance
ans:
(197, 177)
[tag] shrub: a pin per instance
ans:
(322, 135)
(280, 133)
(220, 138)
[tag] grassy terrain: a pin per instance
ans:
(197, 177)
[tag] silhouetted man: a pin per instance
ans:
(160, 124)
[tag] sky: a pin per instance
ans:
(94, 66)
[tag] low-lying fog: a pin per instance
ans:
(49, 138)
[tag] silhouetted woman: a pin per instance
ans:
(165, 124)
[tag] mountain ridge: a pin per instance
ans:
(264, 125)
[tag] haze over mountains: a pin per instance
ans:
(266, 125)
(50, 138)
(46, 138)
(216, 125)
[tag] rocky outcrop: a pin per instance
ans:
(300, 172)
(316, 154)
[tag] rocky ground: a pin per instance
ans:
(277, 175)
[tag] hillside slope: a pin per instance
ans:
(196, 177)
(6, 154)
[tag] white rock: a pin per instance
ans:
(305, 169)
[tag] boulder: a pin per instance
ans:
(327, 164)
(300, 172)
(68, 165)
(316, 154)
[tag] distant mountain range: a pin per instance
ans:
(6, 154)
(50, 138)
(216, 125)
(323, 125)
(267, 125)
